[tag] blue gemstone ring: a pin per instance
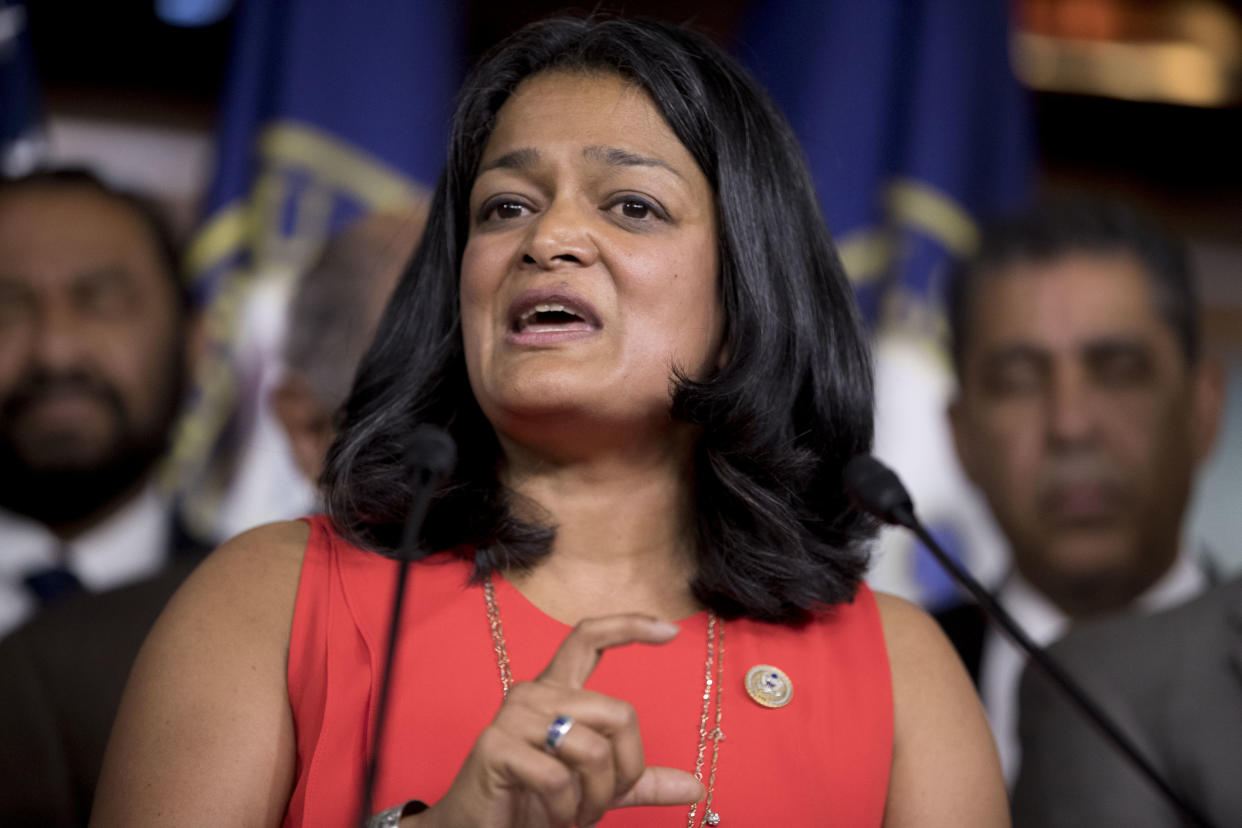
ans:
(556, 733)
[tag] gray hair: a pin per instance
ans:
(337, 302)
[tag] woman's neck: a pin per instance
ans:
(625, 535)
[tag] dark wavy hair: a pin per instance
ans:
(792, 404)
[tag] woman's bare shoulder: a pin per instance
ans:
(945, 770)
(263, 560)
(906, 624)
(273, 544)
(917, 648)
(205, 720)
(246, 587)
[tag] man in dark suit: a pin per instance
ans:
(93, 353)
(1084, 408)
(62, 675)
(1174, 681)
(93, 356)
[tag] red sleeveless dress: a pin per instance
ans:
(823, 759)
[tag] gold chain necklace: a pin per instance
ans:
(713, 664)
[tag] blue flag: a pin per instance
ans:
(914, 126)
(912, 122)
(22, 145)
(330, 111)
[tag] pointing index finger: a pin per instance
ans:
(580, 652)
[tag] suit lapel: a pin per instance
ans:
(1234, 613)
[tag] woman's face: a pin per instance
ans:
(590, 270)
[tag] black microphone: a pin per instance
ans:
(877, 490)
(430, 458)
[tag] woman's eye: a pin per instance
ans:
(636, 208)
(503, 209)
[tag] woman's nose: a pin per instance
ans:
(561, 235)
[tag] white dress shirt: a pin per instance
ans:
(129, 546)
(1001, 663)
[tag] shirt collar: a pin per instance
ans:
(26, 545)
(1045, 622)
(131, 544)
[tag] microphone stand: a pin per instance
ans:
(877, 490)
(431, 457)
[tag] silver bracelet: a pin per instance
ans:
(390, 817)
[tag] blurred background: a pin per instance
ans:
(264, 126)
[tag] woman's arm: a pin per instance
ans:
(204, 735)
(945, 770)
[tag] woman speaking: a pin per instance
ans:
(639, 597)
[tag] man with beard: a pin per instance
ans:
(1085, 406)
(54, 732)
(92, 360)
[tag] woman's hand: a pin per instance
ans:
(511, 778)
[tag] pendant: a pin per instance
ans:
(711, 818)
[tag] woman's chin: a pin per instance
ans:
(547, 413)
(584, 420)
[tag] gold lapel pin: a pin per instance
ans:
(768, 685)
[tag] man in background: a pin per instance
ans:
(1173, 681)
(93, 357)
(333, 313)
(62, 674)
(1085, 406)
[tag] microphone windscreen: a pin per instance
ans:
(876, 489)
(431, 450)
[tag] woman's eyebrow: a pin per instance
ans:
(617, 157)
(518, 159)
(528, 157)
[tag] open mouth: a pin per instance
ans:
(538, 315)
(551, 316)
